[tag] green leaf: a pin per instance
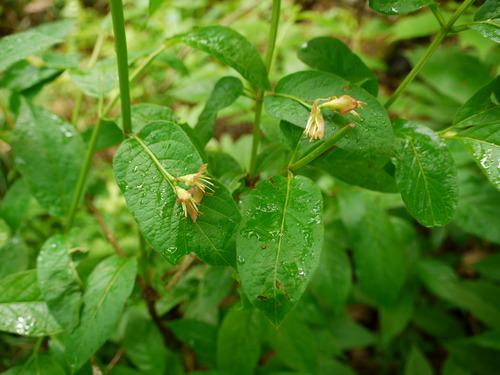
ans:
(59, 282)
(19, 46)
(96, 82)
(107, 290)
(232, 49)
(471, 356)
(487, 20)
(477, 211)
(356, 169)
(454, 73)
(483, 143)
(379, 257)
(152, 201)
(144, 113)
(199, 336)
(214, 287)
(22, 309)
(332, 280)
(450, 367)
(373, 135)
(109, 135)
(480, 109)
(238, 342)
(15, 257)
(398, 7)
(417, 364)
(333, 56)
(295, 345)
(41, 364)
(23, 76)
(279, 243)
(144, 345)
(425, 174)
(225, 92)
(395, 319)
(477, 297)
(489, 267)
(49, 153)
(15, 204)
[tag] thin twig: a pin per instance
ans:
(104, 227)
(181, 269)
(114, 361)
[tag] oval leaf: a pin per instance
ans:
(425, 174)
(58, 282)
(372, 135)
(140, 167)
(225, 92)
(232, 49)
(49, 153)
(108, 287)
(279, 243)
(396, 7)
(333, 56)
(22, 309)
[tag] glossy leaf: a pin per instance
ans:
(398, 7)
(380, 261)
(15, 204)
(487, 20)
(23, 76)
(59, 282)
(373, 135)
(480, 109)
(225, 92)
(144, 113)
(96, 82)
(22, 308)
(483, 143)
(41, 364)
(478, 207)
(394, 319)
(108, 287)
(232, 49)
(333, 56)
(152, 201)
(425, 174)
(49, 153)
(359, 170)
(417, 364)
(279, 243)
(238, 342)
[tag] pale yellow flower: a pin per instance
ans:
(315, 128)
(198, 180)
(188, 202)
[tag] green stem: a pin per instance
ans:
(122, 61)
(82, 177)
(428, 53)
(325, 146)
(294, 98)
(434, 7)
(38, 344)
(268, 61)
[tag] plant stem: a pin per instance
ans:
(95, 135)
(321, 148)
(122, 61)
(268, 61)
(428, 53)
(294, 98)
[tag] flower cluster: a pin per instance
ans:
(191, 199)
(315, 128)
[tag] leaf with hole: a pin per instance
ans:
(279, 243)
